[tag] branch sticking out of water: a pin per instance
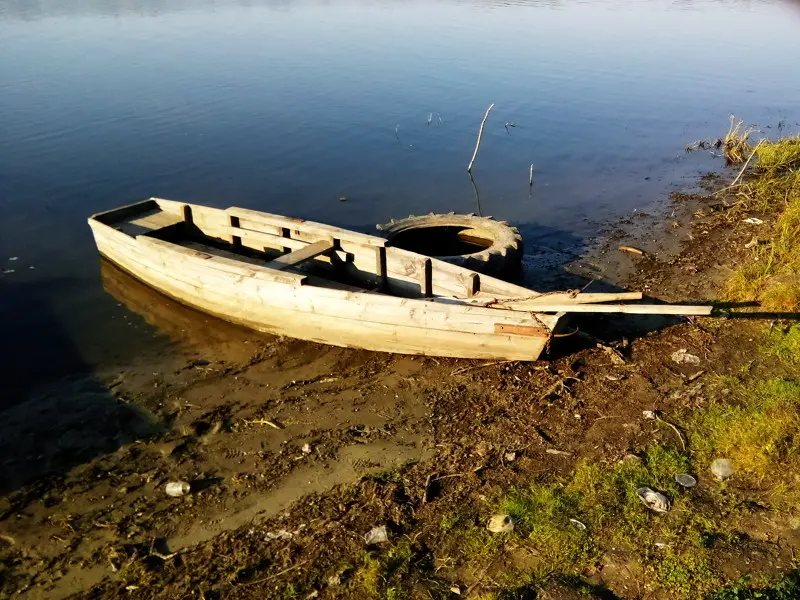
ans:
(480, 135)
(530, 176)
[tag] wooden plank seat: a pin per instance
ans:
(301, 255)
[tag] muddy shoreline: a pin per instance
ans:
(295, 451)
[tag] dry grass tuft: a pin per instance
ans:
(736, 146)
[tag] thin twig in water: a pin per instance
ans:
(396, 129)
(480, 134)
(530, 176)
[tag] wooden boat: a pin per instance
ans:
(322, 283)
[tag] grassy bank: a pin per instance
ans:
(567, 528)
(772, 186)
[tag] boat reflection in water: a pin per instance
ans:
(175, 320)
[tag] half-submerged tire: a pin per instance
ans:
(478, 243)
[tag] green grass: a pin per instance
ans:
(542, 516)
(787, 588)
(687, 575)
(754, 425)
(785, 344)
(383, 573)
(771, 274)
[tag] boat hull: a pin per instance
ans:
(363, 320)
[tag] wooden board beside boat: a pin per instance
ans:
(326, 284)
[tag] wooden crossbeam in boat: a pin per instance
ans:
(269, 240)
(299, 256)
(307, 227)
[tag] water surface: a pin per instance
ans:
(285, 106)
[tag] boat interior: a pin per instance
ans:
(317, 254)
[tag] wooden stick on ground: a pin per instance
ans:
(480, 134)
(630, 309)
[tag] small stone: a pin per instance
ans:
(510, 456)
(454, 589)
(377, 535)
(655, 501)
(722, 468)
(177, 489)
(650, 415)
(342, 198)
(306, 449)
(682, 356)
(500, 524)
(686, 480)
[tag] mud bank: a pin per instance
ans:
(295, 451)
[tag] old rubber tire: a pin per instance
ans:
(478, 243)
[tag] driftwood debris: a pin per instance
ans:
(480, 135)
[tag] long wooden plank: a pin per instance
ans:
(300, 256)
(225, 264)
(530, 303)
(630, 309)
(268, 240)
(309, 227)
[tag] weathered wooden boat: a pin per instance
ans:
(322, 283)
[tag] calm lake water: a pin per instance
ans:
(286, 106)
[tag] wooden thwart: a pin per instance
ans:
(302, 255)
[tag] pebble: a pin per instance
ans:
(177, 489)
(655, 501)
(722, 468)
(377, 535)
(500, 524)
(682, 356)
(686, 480)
